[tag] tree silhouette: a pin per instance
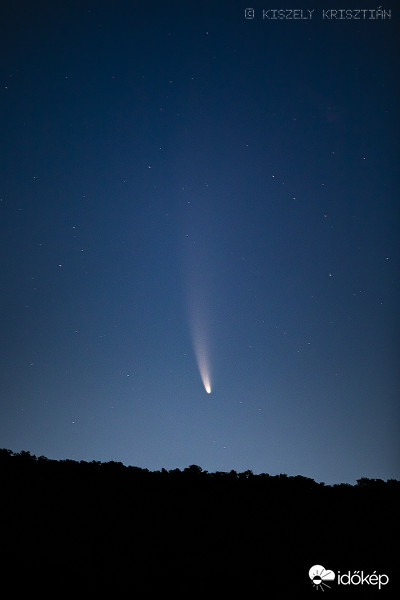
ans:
(106, 527)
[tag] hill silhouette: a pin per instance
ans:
(91, 527)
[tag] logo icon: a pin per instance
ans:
(319, 575)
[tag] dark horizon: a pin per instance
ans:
(107, 528)
(192, 469)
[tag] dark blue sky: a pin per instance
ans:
(178, 179)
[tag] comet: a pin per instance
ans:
(200, 350)
(198, 294)
(199, 334)
(204, 374)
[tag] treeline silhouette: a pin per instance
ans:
(92, 527)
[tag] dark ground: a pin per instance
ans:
(89, 528)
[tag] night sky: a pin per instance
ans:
(194, 200)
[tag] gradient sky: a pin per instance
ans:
(178, 178)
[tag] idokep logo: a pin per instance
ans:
(319, 576)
